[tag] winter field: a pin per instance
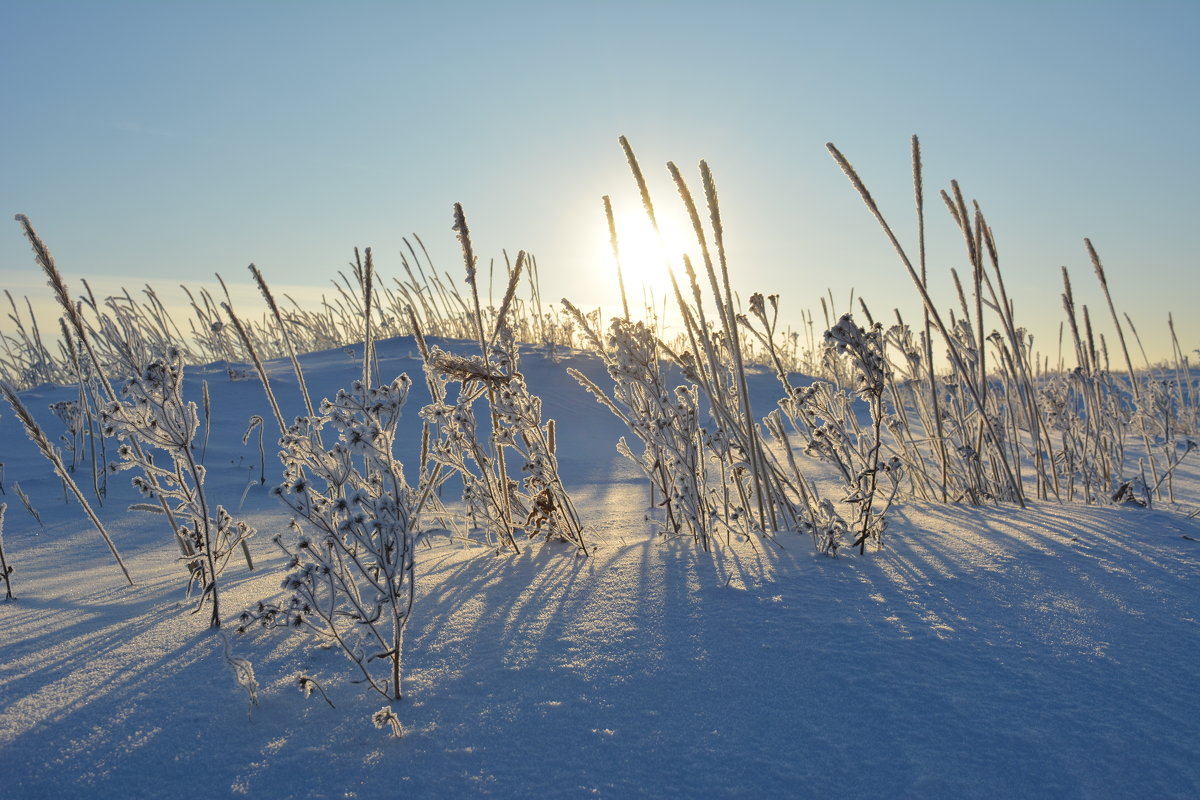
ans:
(818, 569)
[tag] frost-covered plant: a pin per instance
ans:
(27, 503)
(357, 524)
(1087, 433)
(256, 423)
(154, 413)
(748, 488)
(207, 406)
(1093, 415)
(243, 671)
(673, 448)
(540, 500)
(5, 570)
(1088, 414)
(538, 503)
(72, 418)
(308, 685)
(386, 718)
(1157, 414)
(824, 417)
(94, 357)
(83, 417)
(1092, 434)
(865, 349)
(990, 456)
(460, 445)
(26, 361)
(827, 527)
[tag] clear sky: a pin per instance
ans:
(168, 141)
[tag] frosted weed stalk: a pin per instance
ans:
(155, 414)
(357, 525)
(674, 446)
(24, 498)
(5, 570)
(72, 418)
(824, 416)
(537, 503)
(1086, 433)
(964, 342)
(865, 348)
(87, 349)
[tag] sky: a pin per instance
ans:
(168, 142)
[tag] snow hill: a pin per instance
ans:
(984, 652)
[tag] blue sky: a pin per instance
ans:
(166, 142)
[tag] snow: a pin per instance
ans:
(985, 651)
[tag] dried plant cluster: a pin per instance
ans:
(997, 424)
(356, 518)
(720, 475)
(1000, 423)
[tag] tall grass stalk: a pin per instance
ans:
(248, 342)
(50, 452)
(86, 402)
(28, 504)
(285, 333)
(977, 392)
(497, 482)
(616, 251)
(931, 376)
(1133, 381)
(74, 315)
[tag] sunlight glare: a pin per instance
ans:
(644, 256)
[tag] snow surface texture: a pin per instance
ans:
(984, 652)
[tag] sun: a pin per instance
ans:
(644, 255)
